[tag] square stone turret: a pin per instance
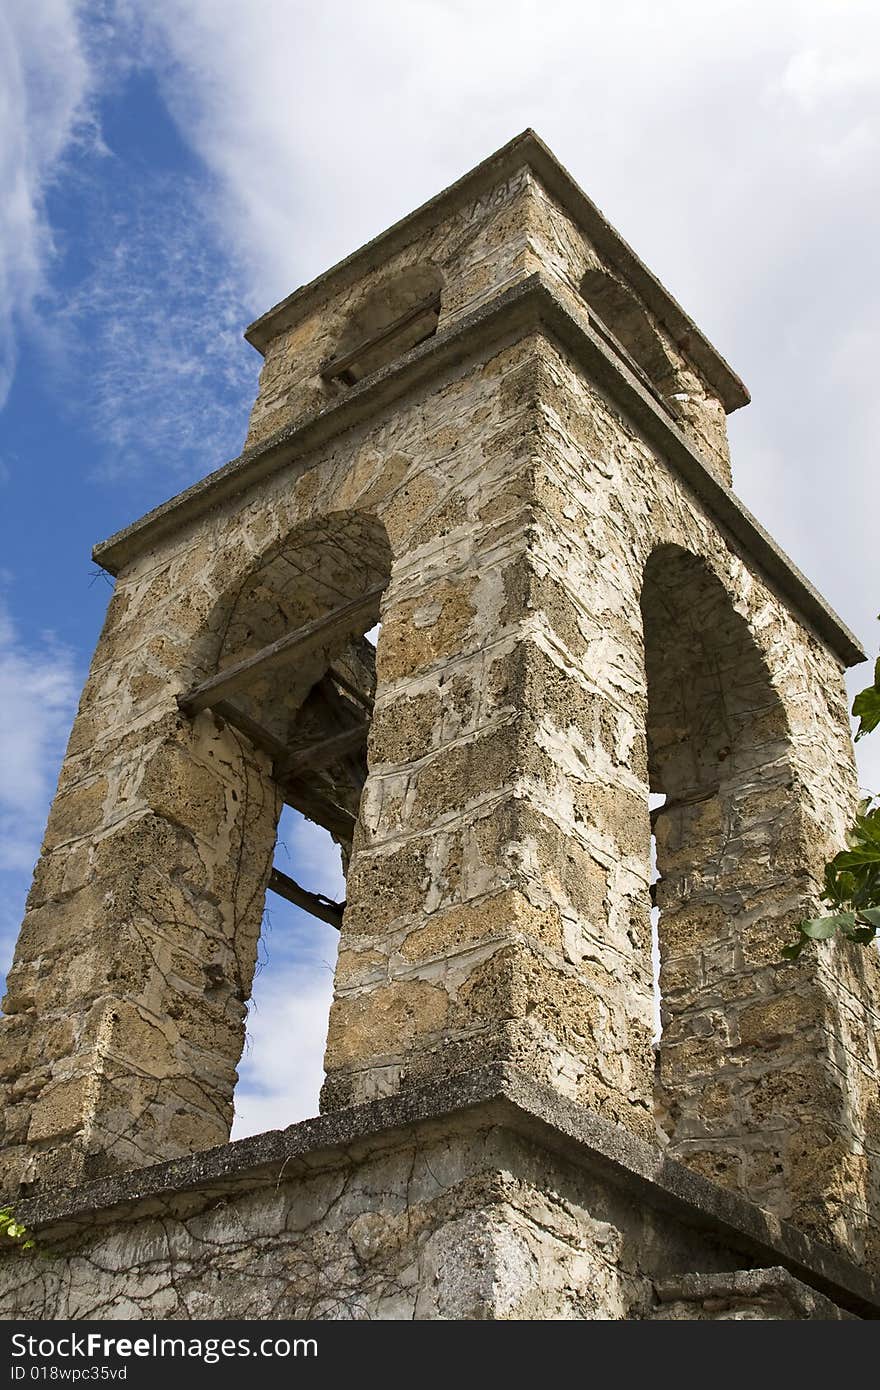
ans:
(494, 432)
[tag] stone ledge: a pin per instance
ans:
(496, 1094)
(529, 306)
(749, 1285)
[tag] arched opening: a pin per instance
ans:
(718, 745)
(393, 317)
(630, 329)
(294, 685)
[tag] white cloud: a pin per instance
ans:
(282, 1067)
(814, 76)
(39, 687)
(283, 1063)
(44, 88)
(150, 341)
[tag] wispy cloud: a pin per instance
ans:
(45, 83)
(151, 336)
(39, 687)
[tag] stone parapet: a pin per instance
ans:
(485, 1196)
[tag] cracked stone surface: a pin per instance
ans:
(519, 1205)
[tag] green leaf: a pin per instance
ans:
(855, 858)
(872, 915)
(866, 708)
(821, 928)
(793, 951)
(867, 827)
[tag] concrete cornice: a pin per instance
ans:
(525, 150)
(494, 1094)
(532, 304)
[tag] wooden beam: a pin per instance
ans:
(307, 799)
(313, 804)
(320, 755)
(668, 805)
(315, 903)
(299, 643)
(259, 737)
(359, 697)
(340, 712)
(338, 365)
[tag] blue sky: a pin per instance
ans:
(169, 170)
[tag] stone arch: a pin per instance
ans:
(320, 566)
(729, 837)
(189, 871)
(392, 317)
(630, 324)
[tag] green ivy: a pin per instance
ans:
(867, 705)
(852, 878)
(13, 1230)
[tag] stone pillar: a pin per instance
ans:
(498, 894)
(126, 1000)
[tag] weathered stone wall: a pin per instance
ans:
(758, 1295)
(767, 1071)
(463, 1226)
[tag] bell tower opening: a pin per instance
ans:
(720, 782)
(292, 991)
(296, 680)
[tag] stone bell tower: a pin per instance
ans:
(494, 431)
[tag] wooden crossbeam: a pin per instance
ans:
(339, 712)
(668, 805)
(321, 755)
(288, 764)
(299, 794)
(313, 804)
(259, 736)
(299, 643)
(315, 903)
(359, 696)
(338, 366)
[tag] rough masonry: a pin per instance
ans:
(493, 430)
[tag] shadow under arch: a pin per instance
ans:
(628, 321)
(397, 314)
(729, 877)
(323, 567)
